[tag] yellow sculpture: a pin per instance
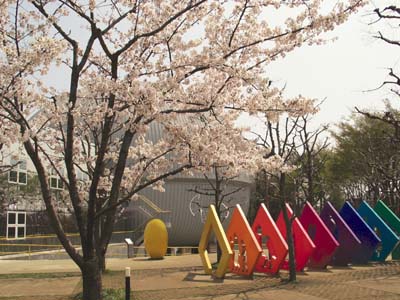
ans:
(213, 224)
(156, 239)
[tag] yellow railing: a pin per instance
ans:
(30, 250)
(153, 205)
(48, 236)
(40, 236)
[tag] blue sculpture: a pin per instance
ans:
(369, 239)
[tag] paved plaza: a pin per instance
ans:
(181, 277)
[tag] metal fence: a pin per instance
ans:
(48, 247)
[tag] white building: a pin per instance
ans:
(23, 211)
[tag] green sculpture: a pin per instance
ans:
(391, 220)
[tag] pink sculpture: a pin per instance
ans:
(303, 245)
(325, 242)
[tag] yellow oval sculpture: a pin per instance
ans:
(156, 238)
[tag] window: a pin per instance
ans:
(18, 174)
(16, 225)
(82, 176)
(55, 181)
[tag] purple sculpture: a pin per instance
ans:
(349, 244)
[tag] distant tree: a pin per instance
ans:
(330, 178)
(305, 182)
(217, 188)
(366, 160)
(389, 15)
(303, 155)
(280, 142)
(311, 159)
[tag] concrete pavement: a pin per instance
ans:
(182, 277)
(114, 264)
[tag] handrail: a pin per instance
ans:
(153, 205)
(145, 211)
(61, 250)
(35, 245)
(49, 236)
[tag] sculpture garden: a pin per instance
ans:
(319, 240)
(334, 254)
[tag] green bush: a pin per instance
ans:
(108, 294)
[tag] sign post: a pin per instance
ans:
(127, 283)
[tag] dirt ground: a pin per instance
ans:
(377, 281)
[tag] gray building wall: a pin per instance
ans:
(186, 218)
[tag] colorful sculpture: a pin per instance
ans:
(240, 234)
(303, 245)
(349, 244)
(369, 240)
(390, 219)
(269, 236)
(156, 238)
(323, 239)
(388, 238)
(214, 224)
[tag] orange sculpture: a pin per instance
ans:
(241, 236)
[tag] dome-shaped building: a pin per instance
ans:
(183, 210)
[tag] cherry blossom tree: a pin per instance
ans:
(191, 66)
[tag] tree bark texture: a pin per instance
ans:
(92, 280)
(289, 232)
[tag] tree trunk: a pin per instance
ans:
(102, 263)
(290, 241)
(92, 282)
(288, 224)
(310, 196)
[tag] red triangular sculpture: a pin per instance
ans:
(325, 242)
(303, 245)
(239, 231)
(264, 226)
